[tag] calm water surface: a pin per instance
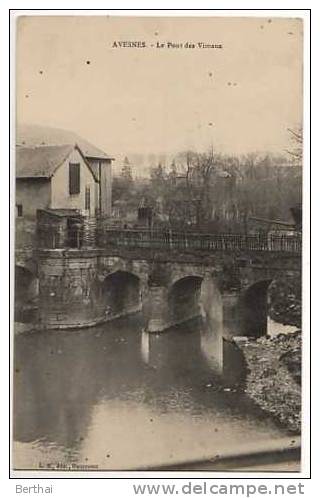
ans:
(114, 397)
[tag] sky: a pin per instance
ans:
(239, 98)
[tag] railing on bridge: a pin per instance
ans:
(171, 240)
(93, 235)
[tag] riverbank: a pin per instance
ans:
(285, 300)
(274, 376)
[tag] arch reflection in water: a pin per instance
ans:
(212, 349)
(145, 346)
(88, 394)
(212, 315)
(182, 347)
(175, 350)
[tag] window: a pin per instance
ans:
(19, 210)
(87, 199)
(74, 178)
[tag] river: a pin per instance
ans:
(114, 397)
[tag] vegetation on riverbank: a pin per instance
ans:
(274, 376)
(274, 363)
(285, 300)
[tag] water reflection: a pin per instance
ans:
(120, 398)
(212, 349)
(177, 350)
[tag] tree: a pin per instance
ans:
(158, 180)
(173, 173)
(200, 173)
(158, 174)
(126, 171)
(296, 138)
(123, 185)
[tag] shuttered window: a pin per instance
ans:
(74, 178)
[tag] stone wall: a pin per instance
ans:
(68, 290)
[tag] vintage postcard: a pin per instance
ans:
(158, 166)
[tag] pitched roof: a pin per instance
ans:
(42, 162)
(35, 135)
(91, 151)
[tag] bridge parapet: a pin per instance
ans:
(189, 241)
(66, 231)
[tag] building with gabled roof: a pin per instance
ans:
(56, 177)
(40, 150)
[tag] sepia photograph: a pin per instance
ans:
(158, 166)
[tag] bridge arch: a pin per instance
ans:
(120, 294)
(177, 276)
(184, 298)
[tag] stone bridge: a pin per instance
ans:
(85, 287)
